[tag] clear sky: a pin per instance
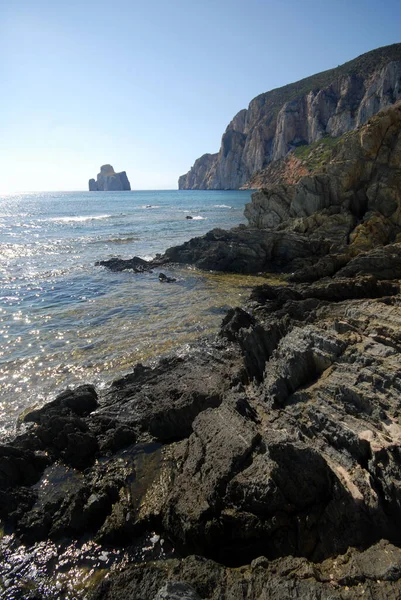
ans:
(149, 86)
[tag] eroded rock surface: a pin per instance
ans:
(279, 439)
(344, 219)
(374, 573)
(272, 452)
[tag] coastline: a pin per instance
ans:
(182, 453)
(65, 321)
(267, 459)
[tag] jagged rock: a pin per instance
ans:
(136, 264)
(245, 250)
(195, 180)
(280, 438)
(330, 103)
(383, 262)
(316, 226)
(374, 573)
(20, 467)
(164, 401)
(108, 180)
(81, 401)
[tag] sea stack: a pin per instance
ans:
(109, 181)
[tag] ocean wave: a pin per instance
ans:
(117, 240)
(198, 218)
(77, 219)
(11, 215)
(150, 206)
(221, 206)
(147, 257)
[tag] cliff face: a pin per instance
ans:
(362, 179)
(108, 180)
(318, 224)
(330, 103)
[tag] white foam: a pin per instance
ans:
(147, 257)
(198, 218)
(79, 219)
(221, 206)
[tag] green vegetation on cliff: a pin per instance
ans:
(314, 156)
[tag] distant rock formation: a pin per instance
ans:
(109, 181)
(275, 123)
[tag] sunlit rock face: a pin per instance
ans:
(275, 123)
(109, 181)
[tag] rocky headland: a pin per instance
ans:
(277, 122)
(268, 457)
(109, 181)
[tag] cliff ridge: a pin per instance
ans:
(330, 103)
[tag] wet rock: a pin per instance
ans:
(235, 320)
(165, 400)
(374, 573)
(61, 429)
(164, 279)
(245, 250)
(81, 402)
(20, 467)
(68, 438)
(136, 264)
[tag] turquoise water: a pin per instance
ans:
(64, 321)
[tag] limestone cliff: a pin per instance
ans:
(109, 181)
(275, 123)
(323, 221)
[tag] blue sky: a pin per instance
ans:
(151, 86)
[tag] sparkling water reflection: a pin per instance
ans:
(64, 321)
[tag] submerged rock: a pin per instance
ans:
(136, 264)
(164, 279)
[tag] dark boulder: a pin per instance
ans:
(136, 264)
(164, 279)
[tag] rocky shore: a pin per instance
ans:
(268, 458)
(280, 439)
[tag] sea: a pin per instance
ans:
(65, 321)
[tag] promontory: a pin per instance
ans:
(109, 181)
(278, 122)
